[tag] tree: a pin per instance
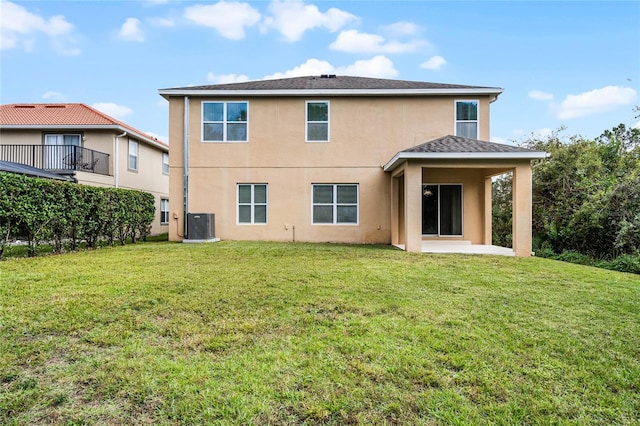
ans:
(586, 197)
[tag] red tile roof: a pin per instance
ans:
(60, 115)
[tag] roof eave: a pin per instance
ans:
(116, 127)
(167, 93)
(400, 157)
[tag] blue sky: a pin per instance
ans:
(573, 64)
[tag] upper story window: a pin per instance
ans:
(317, 121)
(467, 119)
(165, 163)
(225, 121)
(133, 155)
(335, 204)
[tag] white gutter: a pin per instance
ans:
(116, 160)
(402, 156)
(166, 93)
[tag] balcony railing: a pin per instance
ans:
(57, 158)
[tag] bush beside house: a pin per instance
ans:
(586, 200)
(64, 214)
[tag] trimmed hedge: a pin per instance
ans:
(64, 214)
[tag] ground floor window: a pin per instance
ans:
(442, 210)
(164, 211)
(335, 203)
(252, 203)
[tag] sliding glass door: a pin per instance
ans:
(442, 210)
(61, 152)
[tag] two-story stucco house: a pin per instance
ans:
(93, 148)
(342, 159)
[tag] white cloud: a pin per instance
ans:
(20, 28)
(292, 18)
(399, 29)
(310, 67)
(53, 96)
(378, 66)
(228, 18)
(637, 125)
(226, 78)
(112, 109)
(353, 41)
(433, 63)
(498, 139)
(162, 22)
(540, 96)
(595, 101)
(131, 31)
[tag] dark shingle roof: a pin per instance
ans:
(462, 149)
(23, 169)
(331, 82)
(451, 144)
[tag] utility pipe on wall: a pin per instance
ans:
(116, 162)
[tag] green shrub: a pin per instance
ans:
(626, 263)
(575, 257)
(64, 213)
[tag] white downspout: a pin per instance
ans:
(185, 166)
(116, 162)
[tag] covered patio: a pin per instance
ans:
(441, 196)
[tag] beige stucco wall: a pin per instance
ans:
(148, 177)
(365, 133)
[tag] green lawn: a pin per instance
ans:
(289, 333)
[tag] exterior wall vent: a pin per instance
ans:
(201, 226)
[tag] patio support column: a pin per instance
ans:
(522, 207)
(413, 207)
(488, 197)
(395, 209)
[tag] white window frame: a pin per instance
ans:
(165, 163)
(164, 213)
(335, 204)
(461, 210)
(224, 121)
(307, 122)
(135, 155)
(252, 203)
(455, 116)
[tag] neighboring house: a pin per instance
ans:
(77, 141)
(342, 159)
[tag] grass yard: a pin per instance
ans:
(290, 333)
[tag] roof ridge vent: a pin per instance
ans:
(55, 106)
(327, 76)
